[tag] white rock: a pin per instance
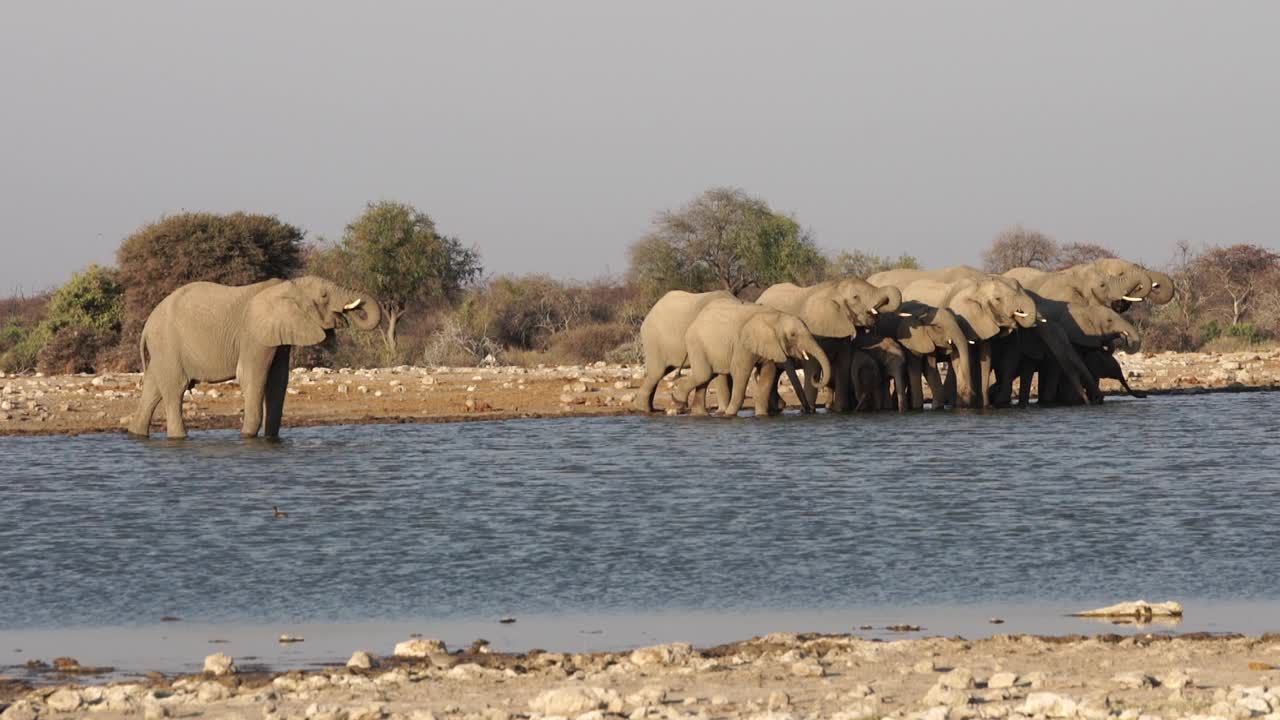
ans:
(941, 695)
(648, 696)
(210, 691)
(670, 654)
(925, 666)
(575, 701)
(1255, 704)
(64, 700)
(420, 648)
(808, 668)
(1176, 680)
(1002, 680)
(1132, 680)
(362, 660)
(1049, 705)
(958, 679)
(219, 664)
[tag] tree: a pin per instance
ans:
(394, 252)
(235, 249)
(1072, 254)
(1237, 275)
(1017, 246)
(855, 263)
(91, 299)
(723, 239)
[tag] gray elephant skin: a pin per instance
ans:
(732, 338)
(206, 332)
(834, 311)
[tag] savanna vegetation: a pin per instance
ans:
(441, 308)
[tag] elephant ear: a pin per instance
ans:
(761, 338)
(975, 319)
(827, 317)
(275, 318)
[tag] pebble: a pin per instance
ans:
(420, 648)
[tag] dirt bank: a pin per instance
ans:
(775, 676)
(78, 404)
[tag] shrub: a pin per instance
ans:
(92, 298)
(74, 349)
(20, 345)
(453, 345)
(589, 343)
(235, 249)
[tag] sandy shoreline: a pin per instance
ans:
(781, 675)
(74, 404)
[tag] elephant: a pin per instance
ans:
(834, 311)
(868, 382)
(985, 306)
(206, 332)
(891, 359)
(731, 338)
(662, 338)
(1103, 364)
(927, 333)
(1086, 327)
(1107, 281)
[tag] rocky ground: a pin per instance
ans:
(1142, 677)
(73, 404)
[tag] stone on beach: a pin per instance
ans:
(669, 654)
(361, 660)
(420, 648)
(574, 701)
(219, 664)
(1049, 705)
(1138, 608)
(65, 700)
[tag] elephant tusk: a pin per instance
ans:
(904, 314)
(1155, 285)
(1129, 298)
(972, 342)
(353, 304)
(804, 354)
(875, 311)
(1044, 320)
(1019, 313)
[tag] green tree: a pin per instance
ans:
(235, 249)
(91, 299)
(723, 239)
(859, 264)
(393, 252)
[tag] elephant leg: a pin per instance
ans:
(936, 386)
(984, 372)
(915, 385)
(953, 388)
(276, 390)
(1006, 365)
(1079, 381)
(766, 389)
(1026, 371)
(1050, 378)
(175, 429)
(254, 370)
(802, 389)
(840, 386)
(698, 403)
(649, 386)
(151, 397)
(720, 385)
(700, 374)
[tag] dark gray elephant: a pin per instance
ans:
(206, 332)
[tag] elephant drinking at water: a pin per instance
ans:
(206, 332)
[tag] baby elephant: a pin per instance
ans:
(209, 332)
(731, 338)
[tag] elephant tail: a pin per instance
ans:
(142, 349)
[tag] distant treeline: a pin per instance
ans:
(441, 308)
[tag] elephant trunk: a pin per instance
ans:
(961, 367)
(1161, 288)
(811, 346)
(362, 313)
(890, 299)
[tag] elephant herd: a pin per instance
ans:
(877, 342)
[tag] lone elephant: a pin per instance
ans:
(206, 332)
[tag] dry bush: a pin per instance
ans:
(589, 343)
(74, 349)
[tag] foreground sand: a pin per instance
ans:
(779, 676)
(73, 404)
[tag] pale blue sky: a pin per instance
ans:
(548, 133)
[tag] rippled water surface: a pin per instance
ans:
(1173, 497)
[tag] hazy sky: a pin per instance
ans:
(548, 133)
